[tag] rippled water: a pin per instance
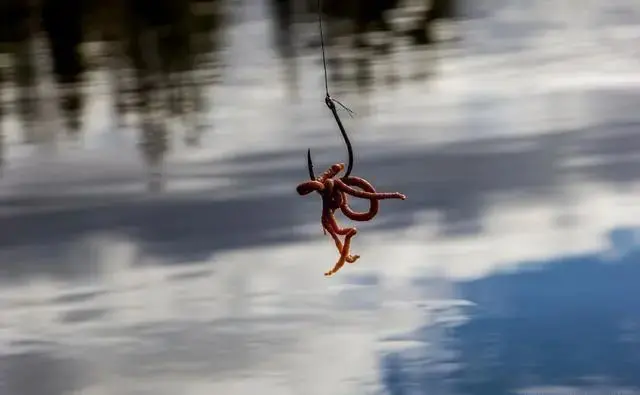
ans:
(512, 267)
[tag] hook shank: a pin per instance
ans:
(329, 102)
(345, 136)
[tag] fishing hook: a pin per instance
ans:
(329, 101)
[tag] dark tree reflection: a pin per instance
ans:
(159, 56)
(61, 21)
(154, 53)
(357, 21)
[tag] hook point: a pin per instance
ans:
(310, 165)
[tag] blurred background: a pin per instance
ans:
(151, 240)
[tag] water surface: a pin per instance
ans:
(511, 268)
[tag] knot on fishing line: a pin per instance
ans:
(328, 100)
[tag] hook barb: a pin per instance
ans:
(310, 165)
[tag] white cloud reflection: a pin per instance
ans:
(265, 317)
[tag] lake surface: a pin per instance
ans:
(512, 268)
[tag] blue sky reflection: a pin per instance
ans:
(565, 324)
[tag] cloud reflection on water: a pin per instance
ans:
(266, 314)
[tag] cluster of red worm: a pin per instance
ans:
(334, 193)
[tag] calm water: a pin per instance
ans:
(511, 269)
